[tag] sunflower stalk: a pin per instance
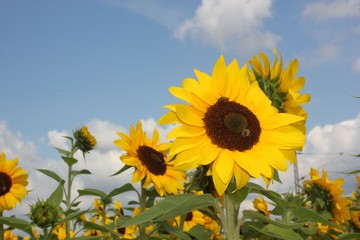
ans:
(69, 186)
(230, 221)
(142, 209)
(1, 228)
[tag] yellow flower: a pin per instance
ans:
(230, 125)
(127, 232)
(280, 85)
(13, 181)
(261, 205)
(118, 206)
(150, 161)
(330, 193)
(355, 217)
(9, 235)
(214, 227)
(192, 219)
(84, 140)
(60, 232)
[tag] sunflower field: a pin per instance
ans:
(233, 126)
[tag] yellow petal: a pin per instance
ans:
(223, 166)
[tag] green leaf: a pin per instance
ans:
(69, 160)
(123, 169)
(94, 226)
(83, 171)
(279, 232)
(126, 188)
(305, 214)
(176, 231)
(200, 232)
(92, 192)
(355, 171)
(87, 237)
(173, 206)
(348, 236)
(62, 151)
(73, 215)
(240, 195)
(249, 214)
(18, 224)
(52, 175)
(56, 197)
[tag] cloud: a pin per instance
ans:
(356, 65)
(324, 53)
(332, 9)
(330, 147)
(230, 24)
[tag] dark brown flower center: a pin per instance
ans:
(231, 125)
(152, 159)
(189, 216)
(5, 183)
(121, 230)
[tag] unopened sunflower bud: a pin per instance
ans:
(44, 214)
(84, 140)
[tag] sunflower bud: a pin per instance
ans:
(44, 214)
(84, 140)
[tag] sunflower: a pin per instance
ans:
(355, 218)
(150, 161)
(261, 206)
(85, 141)
(329, 193)
(230, 126)
(9, 235)
(13, 181)
(280, 85)
(192, 219)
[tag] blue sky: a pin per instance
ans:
(109, 63)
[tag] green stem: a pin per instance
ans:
(1, 228)
(69, 184)
(142, 209)
(231, 219)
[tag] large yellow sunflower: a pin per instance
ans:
(280, 85)
(150, 161)
(13, 181)
(231, 126)
(330, 193)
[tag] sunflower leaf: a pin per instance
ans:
(125, 188)
(305, 214)
(348, 236)
(92, 192)
(173, 206)
(73, 215)
(56, 197)
(52, 175)
(83, 171)
(18, 224)
(123, 169)
(69, 160)
(176, 231)
(200, 232)
(278, 232)
(249, 214)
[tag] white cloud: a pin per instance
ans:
(356, 65)
(230, 24)
(324, 53)
(332, 9)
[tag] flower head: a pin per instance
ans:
(230, 125)
(13, 181)
(192, 219)
(44, 214)
(261, 206)
(84, 140)
(355, 218)
(150, 160)
(329, 192)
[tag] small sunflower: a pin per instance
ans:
(192, 219)
(9, 235)
(85, 141)
(230, 126)
(13, 181)
(280, 85)
(355, 218)
(330, 194)
(149, 158)
(261, 206)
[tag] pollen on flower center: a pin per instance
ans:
(5, 183)
(232, 126)
(152, 159)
